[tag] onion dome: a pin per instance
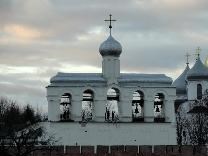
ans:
(198, 71)
(180, 82)
(110, 47)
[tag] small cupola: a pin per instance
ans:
(110, 50)
(198, 71)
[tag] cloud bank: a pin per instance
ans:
(39, 38)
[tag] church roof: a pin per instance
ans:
(110, 47)
(77, 77)
(154, 78)
(198, 71)
(97, 77)
(180, 82)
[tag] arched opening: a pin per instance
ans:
(158, 108)
(65, 107)
(87, 105)
(199, 91)
(112, 113)
(138, 106)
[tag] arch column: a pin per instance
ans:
(169, 110)
(148, 109)
(125, 108)
(53, 108)
(99, 110)
(76, 108)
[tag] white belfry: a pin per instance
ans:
(112, 108)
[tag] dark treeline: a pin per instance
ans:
(15, 117)
(21, 130)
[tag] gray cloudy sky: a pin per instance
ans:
(39, 38)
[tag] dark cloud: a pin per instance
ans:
(47, 35)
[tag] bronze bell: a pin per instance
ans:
(157, 109)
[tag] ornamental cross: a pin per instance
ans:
(187, 58)
(110, 20)
(198, 50)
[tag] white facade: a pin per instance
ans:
(151, 130)
(192, 88)
(100, 99)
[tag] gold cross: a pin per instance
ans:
(110, 20)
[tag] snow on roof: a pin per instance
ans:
(156, 78)
(77, 77)
(198, 71)
(97, 77)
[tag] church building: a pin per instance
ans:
(112, 108)
(191, 96)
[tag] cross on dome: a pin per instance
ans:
(110, 20)
(187, 58)
(198, 50)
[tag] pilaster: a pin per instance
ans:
(99, 110)
(125, 105)
(76, 108)
(148, 109)
(53, 108)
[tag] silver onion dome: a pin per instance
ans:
(110, 47)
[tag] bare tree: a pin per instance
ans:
(21, 132)
(181, 117)
(179, 128)
(192, 125)
(197, 124)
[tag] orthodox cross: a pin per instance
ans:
(187, 58)
(110, 20)
(198, 50)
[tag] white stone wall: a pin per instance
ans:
(98, 131)
(113, 134)
(192, 88)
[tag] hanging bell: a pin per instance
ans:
(136, 110)
(157, 109)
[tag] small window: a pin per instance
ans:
(199, 91)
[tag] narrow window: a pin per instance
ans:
(199, 91)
